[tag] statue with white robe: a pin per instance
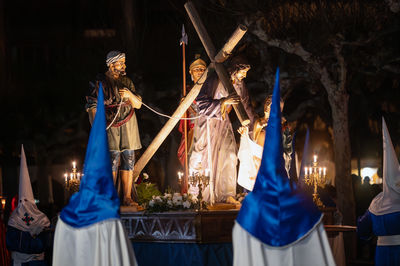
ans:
(214, 146)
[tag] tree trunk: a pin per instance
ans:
(341, 146)
(338, 100)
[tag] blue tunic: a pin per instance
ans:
(23, 242)
(381, 225)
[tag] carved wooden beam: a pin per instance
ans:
(210, 49)
(167, 128)
(225, 52)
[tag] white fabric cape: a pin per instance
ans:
(36, 226)
(34, 220)
(388, 201)
(313, 249)
(249, 151)
(101, 244)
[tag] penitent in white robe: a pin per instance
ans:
(102, 244)
(312, 249)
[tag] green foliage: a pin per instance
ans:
(146, 191)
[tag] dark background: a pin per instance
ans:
(50, 50)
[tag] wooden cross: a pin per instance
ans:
(27, 219)
(218, 58)
(188, 100)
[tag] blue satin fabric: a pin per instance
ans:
(381, 225)
(275, 212)
(97, 199)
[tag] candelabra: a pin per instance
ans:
(201, 180)
(315, 176)
(72, 180)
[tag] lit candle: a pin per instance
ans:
(315, 158)
(207, 172)
(305, 170)
(71, 175)
(73, 164)
(324, 171)
(66, 177)
(180, 174)
(320, 171)
(79, 176)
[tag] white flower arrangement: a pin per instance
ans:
(169, 202)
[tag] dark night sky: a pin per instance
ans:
(49, 62)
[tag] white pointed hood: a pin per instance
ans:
(388, 201)
(27, 217)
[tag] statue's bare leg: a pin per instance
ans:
(114, 177)
(127, 180)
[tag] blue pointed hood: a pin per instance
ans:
(304, 162)
(97, 199)
(275, 212)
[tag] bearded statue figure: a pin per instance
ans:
(120, 100)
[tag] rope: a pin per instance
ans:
(115, 117)
(156, 112)
(164, 115)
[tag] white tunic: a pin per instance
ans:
(101, 244)
(313, 249)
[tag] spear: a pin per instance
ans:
(183, 42)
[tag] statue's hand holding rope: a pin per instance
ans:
(136, 100)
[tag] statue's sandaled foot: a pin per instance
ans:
(231, 200)
(129, 202)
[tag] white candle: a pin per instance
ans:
(320, 171)
(315, 158)
(73, 164)
(324, 171)
(66, 177)
(79, 176)
(71, 175)
(305, 171)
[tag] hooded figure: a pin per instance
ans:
(382, 218)
(89, 229)
(277, 224)
(25, 237)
